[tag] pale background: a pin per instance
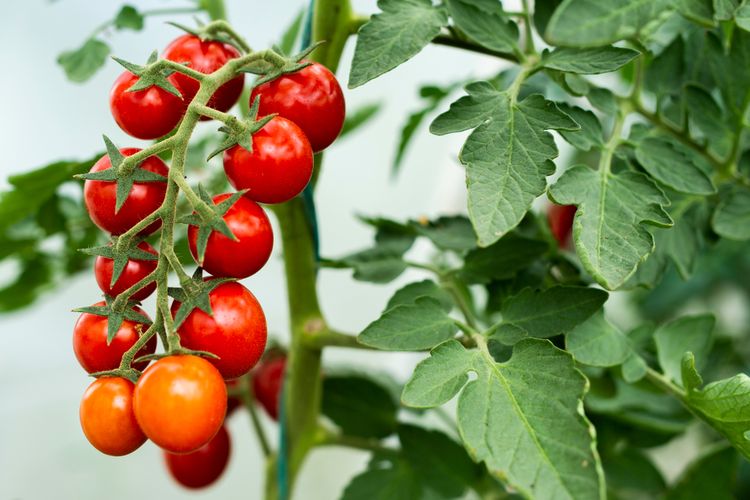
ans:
(43, 454)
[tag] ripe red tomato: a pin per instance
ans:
(278, 168)
(107, 418)
(312, 98)
(236, 332)
(180, 403)
(145, 114)
(135, 270)
(268, 380)
(90, 342)
(205, 56)
(144, 197)
(560, 218)
(244, 257)
(203, 466)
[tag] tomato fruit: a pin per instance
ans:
(144, 197)
(203, 466)
(268, 380)
(135, 270)
(107, 418)
(236, 332)
(560, 218)
(90, 342)
(244, 257)
(180, 402)
(145, 114)
(311, 97)
(278, 168)
(205, 56)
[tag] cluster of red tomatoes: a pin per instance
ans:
(180, 401)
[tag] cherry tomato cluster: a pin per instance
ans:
(180, 400)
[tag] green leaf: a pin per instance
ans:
(438, 460)
(742, 16)
(699, 11)
(712, 475)
(724, 9)
(631, 474)
(427, 288)
(35, 274)
(288, 39)
(732, 216)
(706, 116)
(359, 406)
(691, 379)
(588, 61)
(687, 334)
(731, 70)
(675, 165)
(725, 405)
(360, 116)
(550, 312)
(484, 22)
(386, 480)
(592, 23)
(81, 64)
(410, 327)
(389, 39)
(590, 134)
(129, 18)
(665, 74)
(437, 379)
(448, 232)
(501, 260)
(508, 155)
(608, 228)
(597, 342)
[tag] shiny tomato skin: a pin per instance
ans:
(205, 56)
(236, 332)
(144, 197)
(244, 257)
(278, 168)
(180, 402)
(202, 467)
(135, 271)
(268, 380)
(107, 418)
(312, 98)
(560, 218)
(90, 342)
(145, 114)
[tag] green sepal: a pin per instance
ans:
(115, 317)
(151, 74)
(292, 65)
(202, 33)
(119, 256)
(176, 352)
(124, 180)
(131, 374)
(216, 223)
(194, 294)
(241, 132)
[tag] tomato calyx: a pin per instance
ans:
(123, 177)
(120, 250)
(291, 64)
(152, 74)
(194, 293)
(176, 351)
(212, 32)
(240, 132)
(116, 312)
(214, 222)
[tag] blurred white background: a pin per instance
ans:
(43, 453)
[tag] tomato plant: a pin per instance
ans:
(629, 116)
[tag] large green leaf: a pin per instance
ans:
(597, 342)
(592, 23)
(588, 61)
(732, 217)
(501, 260)
(673, 340)
(426, 288)
(485, 22)
(504, 416)
(675, 165)
(393, 37)
(608, 228)
(508, 155)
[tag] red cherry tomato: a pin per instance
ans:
(205, 56)
(560, 218)
(180, 403)
(268, 380)
(90, 342)
(145, 114)
(144, 197)
(135, 270)
(203, 466)
(107, 417)
(241, 258)
(278, 168)
(236, 332)
(312, 98)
